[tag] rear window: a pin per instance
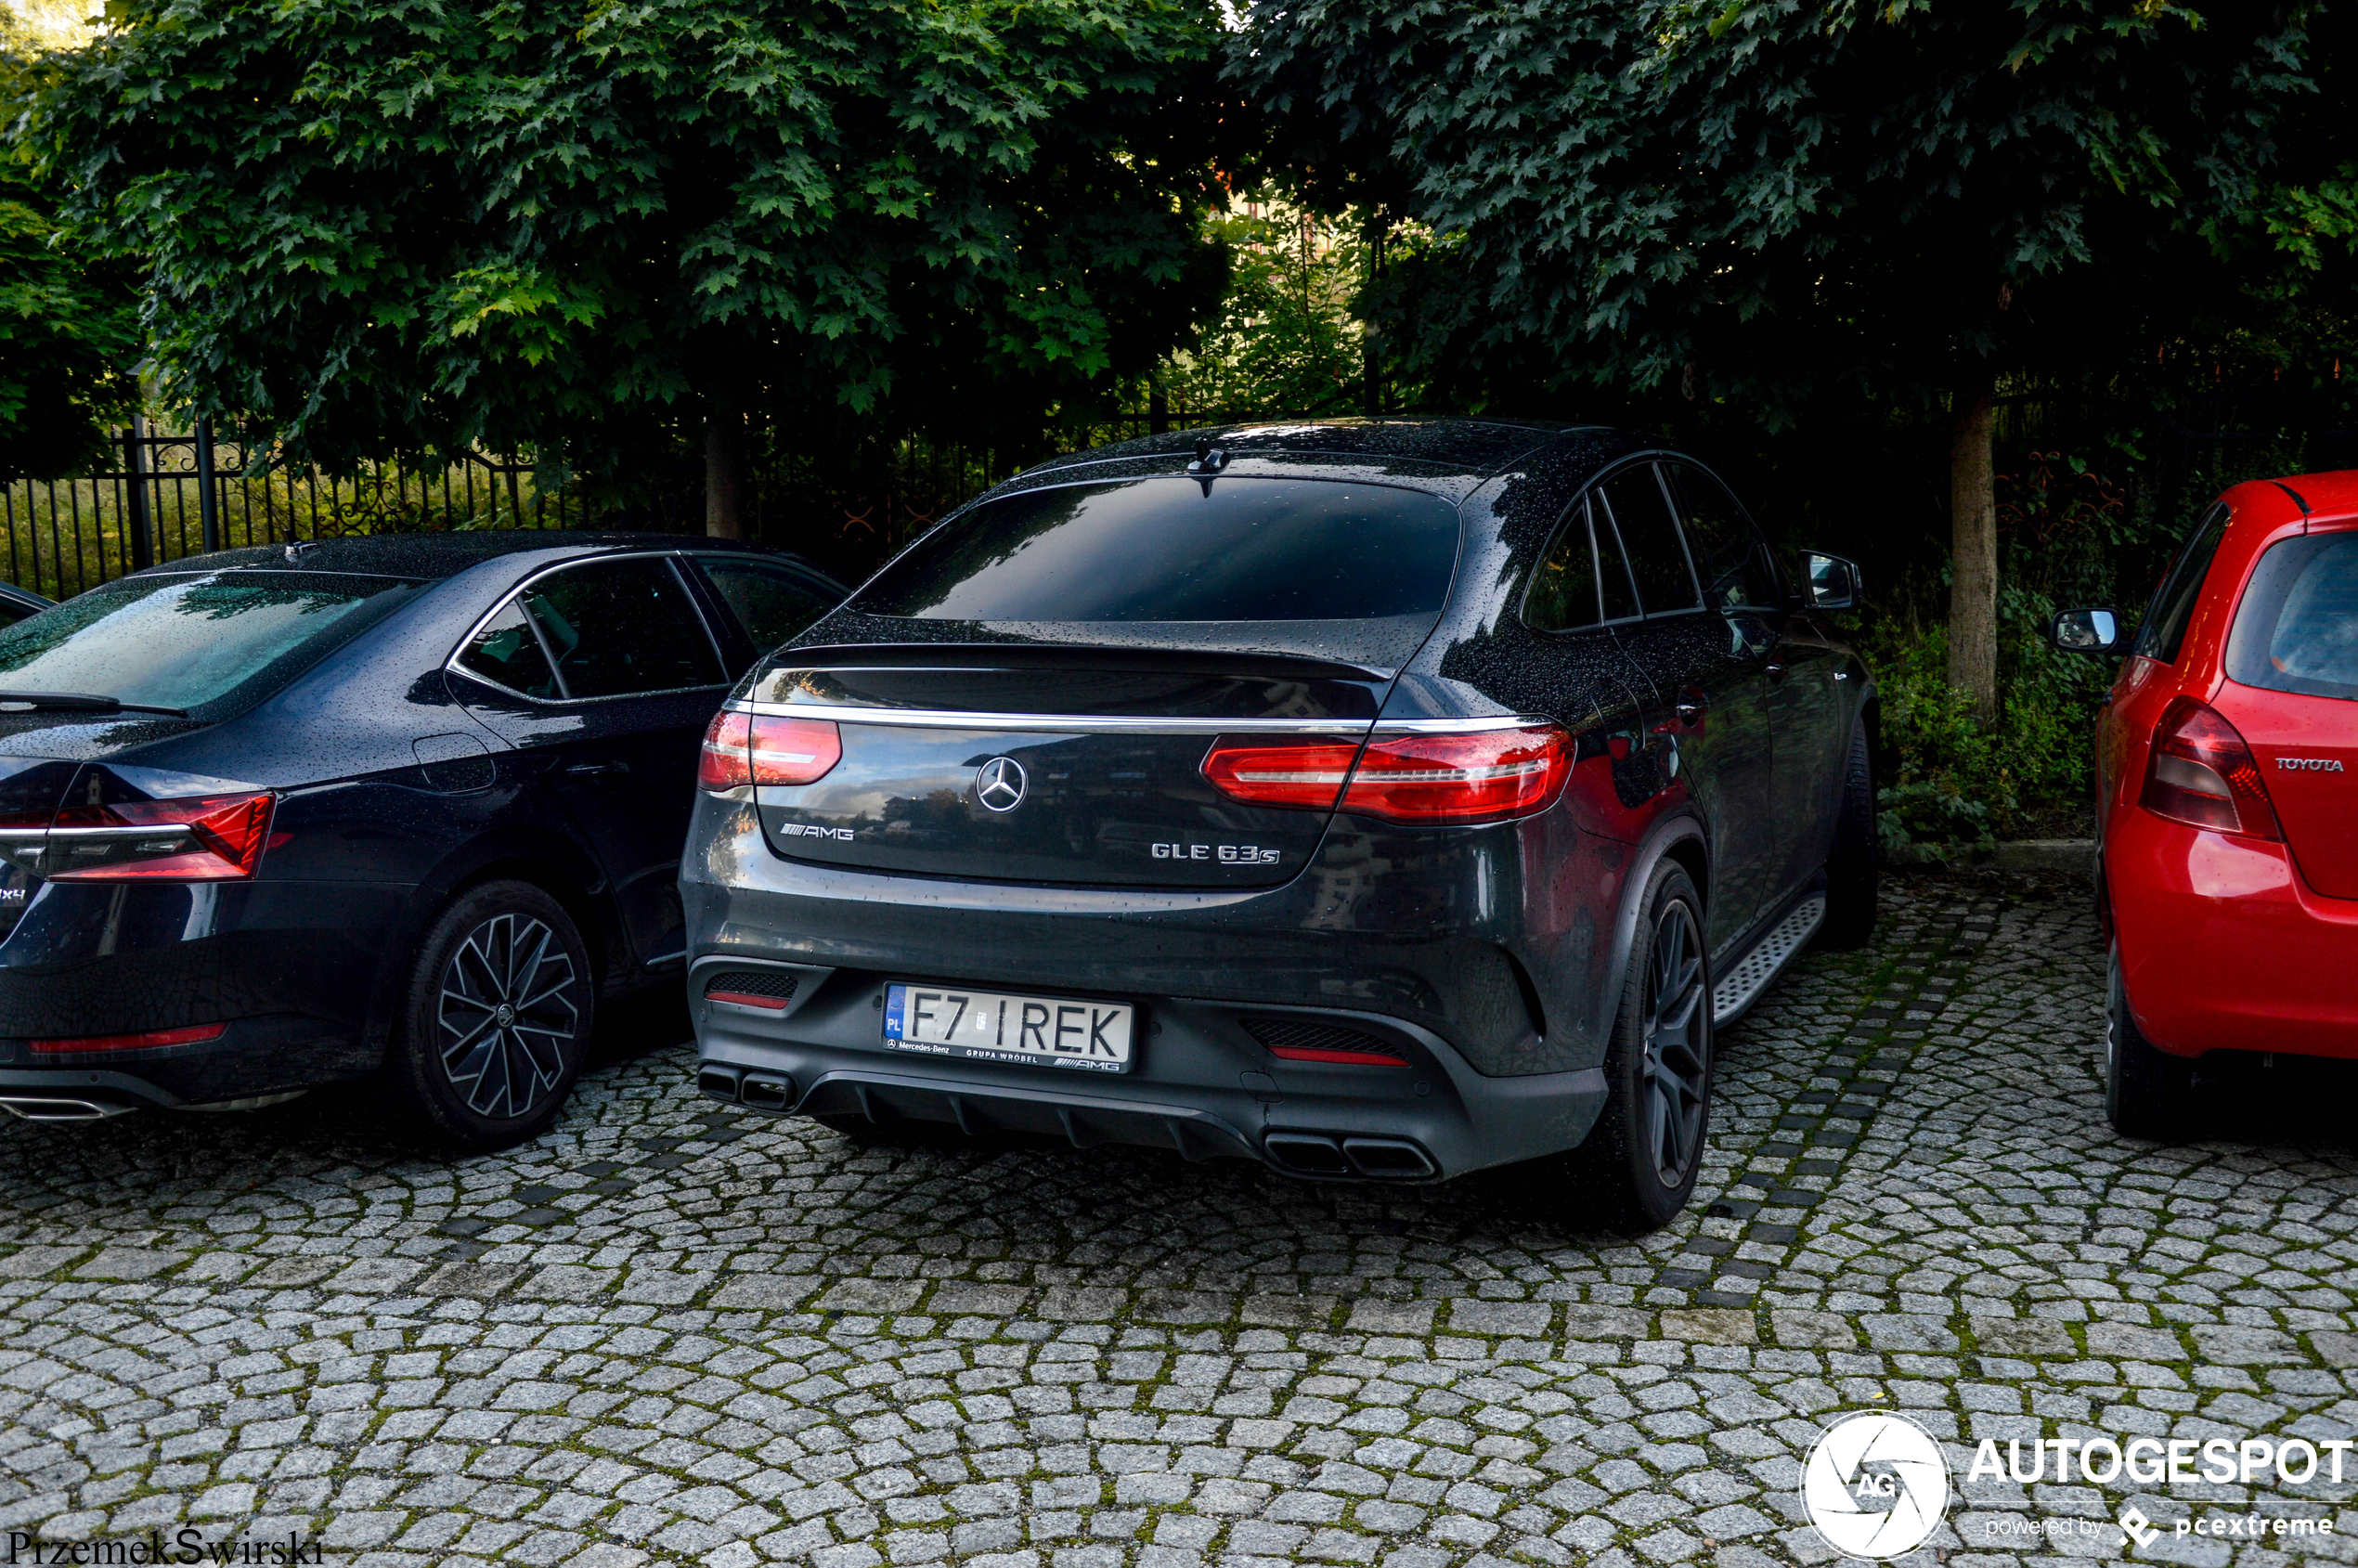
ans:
(1165, 550)
(2298, 628)
(196, 641)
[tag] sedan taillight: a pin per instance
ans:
(207, 839)
(2202, 773)
(750, 748)
(1480, 776)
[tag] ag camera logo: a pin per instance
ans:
(1875, 1485)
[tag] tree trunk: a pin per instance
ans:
(724, 474)
(1973, 560)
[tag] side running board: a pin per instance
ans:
(1744, 982)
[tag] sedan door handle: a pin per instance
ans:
(597, 769)
(1776, 672)
(1691, 705)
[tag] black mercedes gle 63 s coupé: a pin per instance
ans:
(1380, 801)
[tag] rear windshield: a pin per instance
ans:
(195, 641)
(2298, 630)
(1165, 550)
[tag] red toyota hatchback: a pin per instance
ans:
(2227, 762)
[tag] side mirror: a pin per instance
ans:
(1829, 582)
(2085, 631)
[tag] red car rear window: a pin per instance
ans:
(2298, 627)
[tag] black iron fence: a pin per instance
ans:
(172, 494)
(169, 494)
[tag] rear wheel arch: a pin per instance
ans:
(1679, 838)
(555, 867)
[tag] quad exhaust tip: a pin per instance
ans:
(1315, 1154)
(757, 1091)
(61, 1107)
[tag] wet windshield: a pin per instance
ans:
(189, 641)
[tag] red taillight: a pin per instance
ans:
(794, 751)
(1485, 775)
(209, 839)
(1289, 774)
(723, 763)
(2202, 773)
(193, 1035)
(750, 748)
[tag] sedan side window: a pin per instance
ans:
(1650, 536)
(506, 651)
(773, 606)
(617, 627)
(1727, 551)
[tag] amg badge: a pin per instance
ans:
(807, 830)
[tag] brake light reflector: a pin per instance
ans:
(1290, 774)
(1344, 1058)
(208, 838)
(1488, 776)
(2202, 773)
(191, 1035)
(723, 762)
(1479, 776)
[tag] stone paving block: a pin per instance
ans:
(29, 1262)
(2030, 1337)
(1524, 1318)
(1287, 1311)
(1823, 1329)
(871, 1295)
(771, 1291)
(1371, 1316)
(569, 1282)
(375, 1276)
(486, 1280)
(1182, 1307)
(1717, 1325)
(2336, 1349)
(129, 1262)
(2132, 1339)
(657, 1286)
(1606, 1323)
(1066, 1303)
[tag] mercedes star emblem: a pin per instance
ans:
(998, 784)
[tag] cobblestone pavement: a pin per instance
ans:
(671, 1333)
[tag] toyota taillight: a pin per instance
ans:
(750, 748)
(206, 838)
(2202, 773)
(1479, 776)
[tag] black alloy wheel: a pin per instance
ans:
(1676, 1065)
(1638, 1164)
(500, 1001)
(508, 1011)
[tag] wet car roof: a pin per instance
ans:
(1467, 447)
(433, 556)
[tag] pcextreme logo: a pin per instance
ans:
(1875, 1485)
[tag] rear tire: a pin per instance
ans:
(496, 1020)
(1641, 1158)
(2149, 1092)
(1851, 863)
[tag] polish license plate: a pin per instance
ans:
(988, 1026)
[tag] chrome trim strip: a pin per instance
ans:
(152, 830)
(1051, 723)
(1125, 724)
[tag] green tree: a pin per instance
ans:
(69, 319)
(1762, 205)
(1283, 340)
(382, 225)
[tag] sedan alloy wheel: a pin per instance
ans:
(509, 1015)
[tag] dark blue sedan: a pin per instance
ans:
(409, 805)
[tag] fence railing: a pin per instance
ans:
(171, 495)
